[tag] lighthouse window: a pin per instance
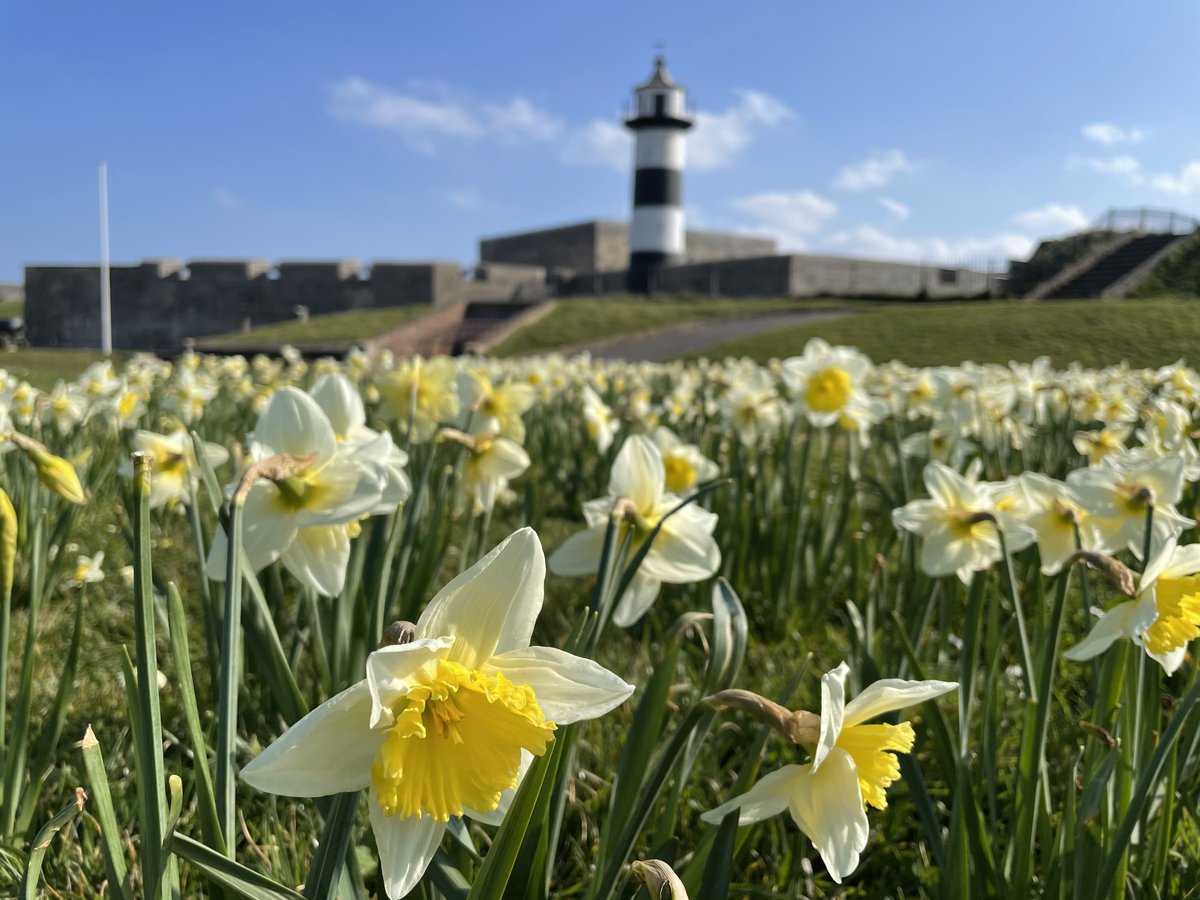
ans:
(660, 105)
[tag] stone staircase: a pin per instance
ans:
(1116, 271)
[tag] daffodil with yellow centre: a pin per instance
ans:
(853, 764)
(684, 466)
(825, 381)
(443, 725)
(175, 465)
(1163, 618)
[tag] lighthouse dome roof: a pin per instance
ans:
(659, 79)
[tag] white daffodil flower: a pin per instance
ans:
(959, 525)
(175, 475)
(440, 725)
(826, 381)
(303, 520)
(683, 551)
(1054, 511)
(496, 407)
(1164, 616)
(599, 420)
(340, 400)
(852, 766)
(684, 465)
(1122, 489)
(420, 394)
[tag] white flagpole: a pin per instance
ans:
(105, 286)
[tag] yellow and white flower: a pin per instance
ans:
(683, 551)
(440, 726)
(852, 766)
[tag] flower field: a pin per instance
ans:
(546, 627)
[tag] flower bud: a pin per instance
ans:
(53, 471)
(8, 543)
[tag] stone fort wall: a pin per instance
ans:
(157, 304)
(603, 246)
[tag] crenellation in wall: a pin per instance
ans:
(157, 304)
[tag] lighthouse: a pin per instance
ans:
(659, 122)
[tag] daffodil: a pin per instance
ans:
(684, 466)
(853, 764)
(303, 519)
(439, 727)
(598, 419)
(1122, 490)
(1164, 616)
(419, 395)
(498, 407)
(682, 552)
(175, 473)
(826, 381)
(959, 524)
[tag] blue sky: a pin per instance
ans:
(378, 130)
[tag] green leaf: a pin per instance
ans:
(229, 874)
(41, 843)
(114, 852)
(330, 858)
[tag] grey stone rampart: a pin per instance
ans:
(708, 246)
(843, 276)
(12, 293)
(159, 303)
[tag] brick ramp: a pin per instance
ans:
(695, 337)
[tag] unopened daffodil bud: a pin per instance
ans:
(8, 543)
(53, 471)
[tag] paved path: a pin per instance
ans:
(668, 343)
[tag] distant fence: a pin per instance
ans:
(1146, 219)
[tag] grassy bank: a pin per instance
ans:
(588, 319)
(42, 368)
(1092, 332)
(355, 325)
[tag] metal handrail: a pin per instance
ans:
(1146, 220)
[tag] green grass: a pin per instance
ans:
(1176, 276)
(42, 368)
(10, 308)
(355, 325)
(599, 318)
(1092, 332)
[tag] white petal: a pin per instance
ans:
(347, 488)
(569, 688)
(638, 597)
(491, 607)
(329, 751)
(294, 423)
(318, 558)
(406, 846)
(892, 694)
(833, 706)
(266, 533)
(637, 472)
(769, 797)
(945, 485)
(340, 401)
(1171, 660)
(828, 807)
(1116, 623)
(682, 558)
(580, 553)
(391, 672)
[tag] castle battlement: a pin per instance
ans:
(157, 303)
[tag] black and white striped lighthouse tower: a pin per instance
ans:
(656, 234)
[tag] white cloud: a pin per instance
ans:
(226, 199)
(895, 207)
(715, 142)
(873, 243)
(1052, 218)
(873, 172)
(464, 198)
(520, 120)
(1107, 133)
(419, 120)
(600, 143)
(719, 138)
(1181, 184)
(790, 217)
(1123, 166)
